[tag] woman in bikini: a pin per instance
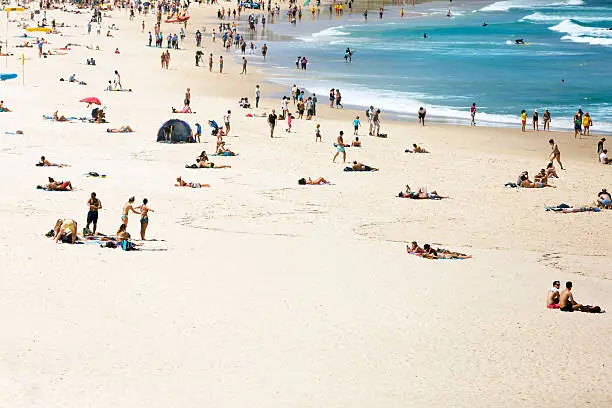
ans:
(316, 182)
(144, 218)
(182, 183)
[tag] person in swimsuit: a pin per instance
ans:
(556, 154)
(94, 204)
(56, 186)
(526, 183)
(45, 163)
(58, 118)
(182, 183)
(127, 207)
(566, 299)
(340, 148)
(604, 199)
(535, 120)
(546, 119)
(122, 129)
(144, 217)
(362, 167)
(67, 225)
(523, 120)
(552, 299)
(416, 149)
(414, 248)
(314, 182)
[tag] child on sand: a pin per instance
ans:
(356, 124)
(318, 133)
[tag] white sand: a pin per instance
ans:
(268, 294)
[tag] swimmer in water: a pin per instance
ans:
(519, 41)
(484, 24)
(425, 35)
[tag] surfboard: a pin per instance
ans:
(4, 77)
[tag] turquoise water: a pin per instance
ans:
(461, 61)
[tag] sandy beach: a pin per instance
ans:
(258, 291)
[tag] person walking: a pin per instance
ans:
(257, 95)
(272, 122)
(473, 114)
(556, 153)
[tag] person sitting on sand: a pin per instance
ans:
(4, 108)
(56, 186)
(566, 299)
(186, 109)
(362, 167)
(58, 118)
(356, 142)
(541, 177)
(123, 238)
(552, 299)
(205, 164)
(122, 129)
(182, 183)
(224, 151)
(316, 182)
(69, 226)
(414, 249)
(551, 171)
(526, 183)
(420, 194)
(604, 199)
(45, 163)
(416, 149)
(603, 157)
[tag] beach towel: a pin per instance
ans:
(367, 168)
(225, 154)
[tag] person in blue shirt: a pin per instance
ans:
(198, 132)
(356, 124)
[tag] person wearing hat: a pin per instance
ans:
(546, 120)
(535, 120)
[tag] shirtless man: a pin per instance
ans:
(94, 204)
(552, 299)
(566, 300)
(362, 167)
(127, 207)
(340, 148)
(416, 149)
(46, 163)
(604, 198)
(556, 154)
(144, 218)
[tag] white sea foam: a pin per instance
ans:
(541, 17)
(325, 35)
(583, 34)
(507, 5)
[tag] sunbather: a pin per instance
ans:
(551, 171)
(56, 186)
(526, 183)
(45, 163)
(68, 226)
(362, 167)
(414, 249)
(430, 253)
(224, 151)
(122, 129)
(420, 194)
(58, 118)
(315, 182)
(182, 183)
(604, 199)
(416, 149)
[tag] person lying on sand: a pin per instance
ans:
(315, 182)
(182, 183)
(4, 108)
(420, 194)
(202, 162)
(45, 163)
(56, 186)
(362, 167)
(430, 253)
(604, 199)
(552, 299)
(58, 118)
(122, 129)
(186, 109)
(416, 149)
(67, 226)
(414, 248)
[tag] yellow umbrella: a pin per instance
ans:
(7, 9)
(40, 29)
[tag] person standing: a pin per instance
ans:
(127, 207)
(257, 95)
(586, 124)
(422, 113)
(244, 65)
(546, 120)
(118, 80)
(272, 122)
(338, 99)
(226, 121)
(220, 64)
(473, 114)
(535, 121)
(187, 97)
(94, 204)
(356, 124)
(314, 104)
(210, 62)
(264, 51)
(523, 120)
(340, 148)
(198, 132)
(556, 153)
(144, 217)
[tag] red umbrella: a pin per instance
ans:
(90, 100)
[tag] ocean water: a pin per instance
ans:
(565, 66)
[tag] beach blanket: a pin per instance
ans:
(225, 154)
(367, 168)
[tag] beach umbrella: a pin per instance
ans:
(90, 100)
(6, 77)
